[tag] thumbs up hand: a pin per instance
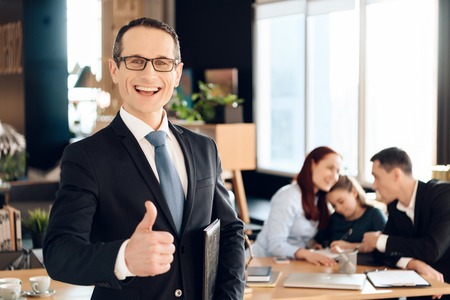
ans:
(149, 252)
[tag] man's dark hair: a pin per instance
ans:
(393, 157)
(150, 23)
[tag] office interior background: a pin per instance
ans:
(356, 75)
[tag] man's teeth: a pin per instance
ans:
(147, 89)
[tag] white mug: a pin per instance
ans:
(10, 291)
(40, 284)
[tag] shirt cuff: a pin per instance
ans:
(120, 269)
(403, 262)
(381, 243)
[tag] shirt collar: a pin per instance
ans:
(139, 128)
(409, 210)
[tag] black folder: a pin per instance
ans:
(210, 258)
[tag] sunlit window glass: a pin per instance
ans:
(401, 81)
(84, 50)
(280, 92)
(332, 85)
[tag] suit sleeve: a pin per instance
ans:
(433, 226)
(69, 255)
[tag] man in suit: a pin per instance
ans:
(417, 233)
(111, 225)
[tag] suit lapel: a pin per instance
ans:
(141, 163)
(419, 207)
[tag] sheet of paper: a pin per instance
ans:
(327, 252)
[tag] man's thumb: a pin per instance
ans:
(149, 217)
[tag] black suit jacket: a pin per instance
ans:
(428, 239)
(105, 180)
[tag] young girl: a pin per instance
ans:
(353, 216)
(299, 209)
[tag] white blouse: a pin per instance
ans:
(286, 229)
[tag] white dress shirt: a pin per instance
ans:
(409, 211)
(140, 129)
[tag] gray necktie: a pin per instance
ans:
(168, 177)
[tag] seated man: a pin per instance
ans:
(417, 233)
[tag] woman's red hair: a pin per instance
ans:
(304, 179)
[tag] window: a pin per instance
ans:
(332, 83)
(84, 46)
(280, 79)
(401, 81)
(357, 80)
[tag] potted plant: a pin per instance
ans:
(37, 223)
(209, 105)
(183, 110)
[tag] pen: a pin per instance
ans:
(347, 234)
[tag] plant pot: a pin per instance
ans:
(38, 239)
(226, 114)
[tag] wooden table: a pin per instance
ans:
(368, 292)
(64, 291)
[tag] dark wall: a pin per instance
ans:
(45, 84)
(443, 126)
(218, 34)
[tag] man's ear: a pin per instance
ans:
(397, 173)
(179, 72)
(113, 69)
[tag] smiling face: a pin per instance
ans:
(144, 93)
(325, 172)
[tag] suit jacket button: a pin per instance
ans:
(178, 293)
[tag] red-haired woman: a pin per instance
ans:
(299, 210)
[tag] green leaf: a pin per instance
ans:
(37, 220)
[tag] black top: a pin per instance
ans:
(373, 219)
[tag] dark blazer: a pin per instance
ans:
(105, 180)
(428, 239)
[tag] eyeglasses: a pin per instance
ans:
(138, 63)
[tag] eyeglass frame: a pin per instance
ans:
(175, 62)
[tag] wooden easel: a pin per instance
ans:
(237, 149)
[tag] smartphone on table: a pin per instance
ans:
(282, 260)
